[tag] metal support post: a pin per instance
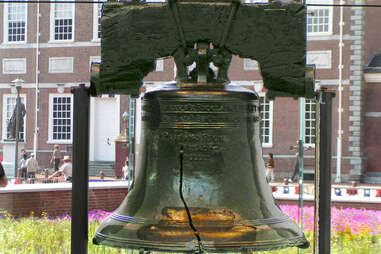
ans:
(17, 132)
(79, 223)
(131, 140)
(325, 177)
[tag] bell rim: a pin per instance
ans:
(256, 222)
(134, 244)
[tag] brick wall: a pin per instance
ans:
(21, 203)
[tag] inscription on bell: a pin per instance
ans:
(190, 138)
(208, 108)
(180, 114)
(200, 146)
(198, 118)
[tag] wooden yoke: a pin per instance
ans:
(134, 34)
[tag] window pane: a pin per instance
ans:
(16, 21)
(318, 20)
(264, 111)
(310, 114)
(61, 118)
(63, 15)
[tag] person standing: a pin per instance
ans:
(31, 167)
(56, 157)
(3, 177)
(125, 169)
(270, 168)
(66, 169)
(23, 152)
(23, 168)
(296, 168)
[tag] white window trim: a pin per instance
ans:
(159, 65)
(271, 118)
(247, 64)
(302, 102)
(52, 25)
(95, 22)
(5, 26)
(94, 59)
(12, 59)
(4, 120)
(57, 58)
(330, 18)
(50, 122)
(319, 53)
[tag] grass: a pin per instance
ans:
(43, 235)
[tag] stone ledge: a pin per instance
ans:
(355, 68)
(354, 149)
(351, 138)
(13, 188)
(356, 103)
(355, 57)
(355, 77)
(356, 17)
(356, 28)
(354, 88)
(354, 119)
(354, 98)
(354, 128)
(354, 108)
(355, 162)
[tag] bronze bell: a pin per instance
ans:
(211, 197)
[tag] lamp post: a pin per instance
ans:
(17, 85)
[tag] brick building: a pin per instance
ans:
(51, 47)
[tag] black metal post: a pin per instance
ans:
(17, 131)
(79, 223)
(325, 150)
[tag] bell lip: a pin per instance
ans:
(257, 222)
(101, 239)
(206, 87)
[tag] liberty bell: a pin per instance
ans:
(200, 184)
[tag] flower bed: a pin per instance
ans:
(353, 231)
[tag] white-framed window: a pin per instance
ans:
(309, 121)
(62, 22)
(94, 59)
(319, 18)
(14, 65)
(61, 64)
(159, 65)
(60, 118)
(97, 16)
(249, 64)
(266, 124)
(15, 22)
(9, 104)
(322, 59)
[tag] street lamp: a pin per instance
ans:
(16, 85)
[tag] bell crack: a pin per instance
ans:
(190, 222)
